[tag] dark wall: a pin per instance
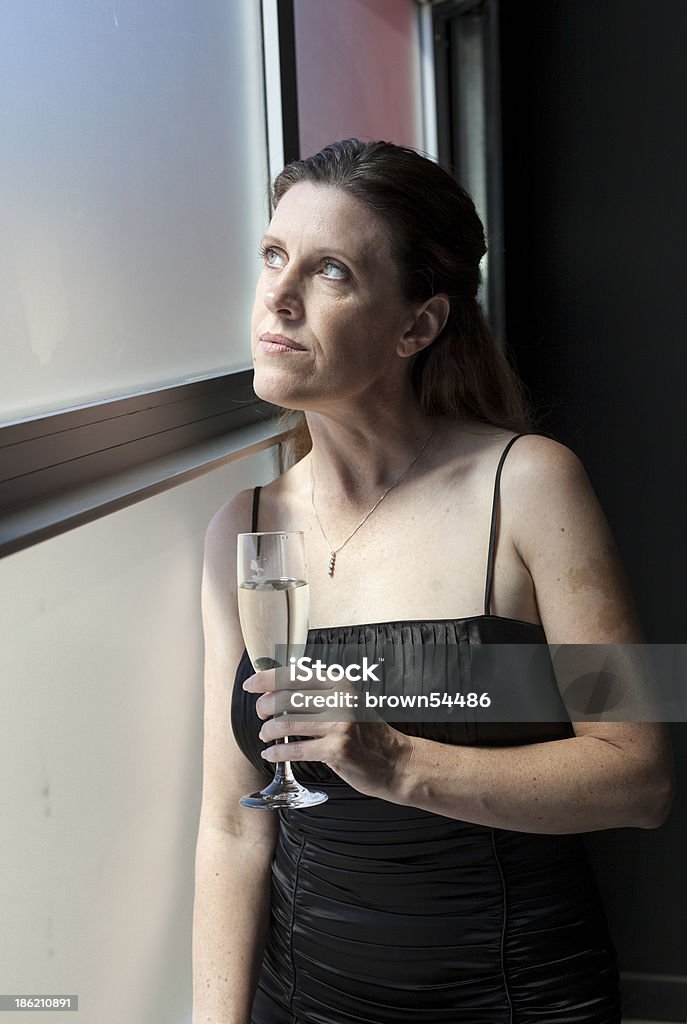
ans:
(594, 103)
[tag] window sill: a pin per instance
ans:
(44, 518)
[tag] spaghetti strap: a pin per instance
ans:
(256, 502)
(492, 529)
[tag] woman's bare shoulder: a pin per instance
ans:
(236, 516)
(540, 473)
(555, 521)
(541, 453)
(233, 517)
(541, 478)
(230, 519)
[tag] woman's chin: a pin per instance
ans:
(277, 392)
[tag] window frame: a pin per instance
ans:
(468, 98)
(67, 468)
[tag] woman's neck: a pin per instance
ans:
(354, 457)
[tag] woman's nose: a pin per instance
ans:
(283, 297)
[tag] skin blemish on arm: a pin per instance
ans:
(600, 576)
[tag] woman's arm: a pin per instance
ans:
(235, 846)
(610, 774)
(580, 784)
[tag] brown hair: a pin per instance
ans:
(438, 242)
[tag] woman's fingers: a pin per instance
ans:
(311, 725)
(272, 679)
(275, 692)
(287, 725)
(279, 695)
(339, 708)
(312, 740)
(262, 682)
(296, 750)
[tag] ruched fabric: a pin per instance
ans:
(382, 912)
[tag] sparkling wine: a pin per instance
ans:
(274, 620)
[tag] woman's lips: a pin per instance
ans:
(278, 343)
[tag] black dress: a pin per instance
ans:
(382, 912)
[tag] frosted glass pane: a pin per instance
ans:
(101, 656)
(132, 192)
(358, 72)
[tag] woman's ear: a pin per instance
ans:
(428, 324)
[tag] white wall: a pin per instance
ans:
(100, 756)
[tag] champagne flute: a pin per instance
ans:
(273, 597)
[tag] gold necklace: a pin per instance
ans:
(333, 552)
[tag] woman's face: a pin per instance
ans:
(329, 311)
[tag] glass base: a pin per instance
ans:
(287, 793)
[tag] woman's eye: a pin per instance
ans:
(271, 257)
(333, 271)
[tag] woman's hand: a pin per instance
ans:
(368, 754)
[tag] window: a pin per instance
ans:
(358, 72)
(466, 58)
(133, 195)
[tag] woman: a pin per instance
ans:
(444, 878)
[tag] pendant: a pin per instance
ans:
(332, 562)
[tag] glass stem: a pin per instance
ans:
(283, 772)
